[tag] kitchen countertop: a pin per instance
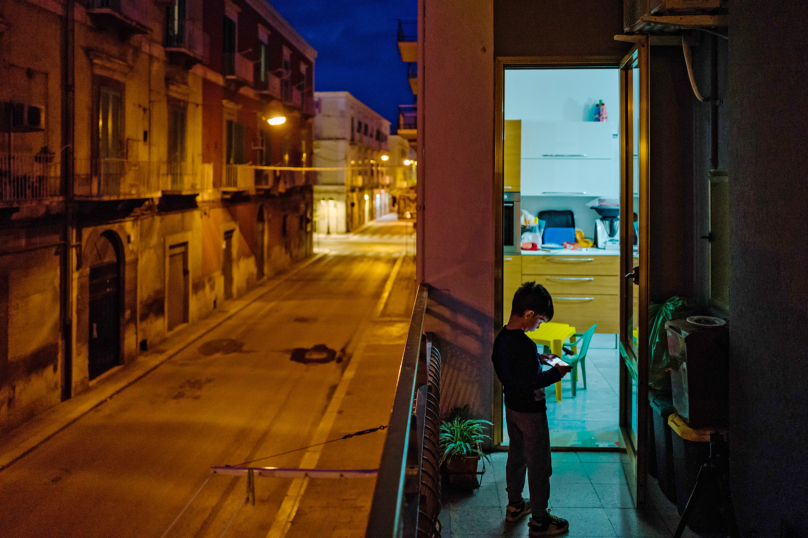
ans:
(569, 252)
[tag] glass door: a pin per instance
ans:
(634, 203)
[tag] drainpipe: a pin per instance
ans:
(68, 111)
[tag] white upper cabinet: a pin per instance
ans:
(568, 158)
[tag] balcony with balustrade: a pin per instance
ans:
(116, 179)
(238, 179)
(408, 40)
(309, 106)
(270, 87)
(408, 122)
(185, 42)
(238, 69)
(183, 179)
(110, 15)
(27, 178)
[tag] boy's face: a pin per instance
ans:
(532, 320)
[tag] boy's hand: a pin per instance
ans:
(549, 359)
(562, 367)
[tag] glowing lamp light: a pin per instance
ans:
(277, 120)
(367, 197)
(407, 162)
(385, 157)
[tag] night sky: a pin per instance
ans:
(356, 46)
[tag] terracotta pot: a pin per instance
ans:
(462, 471)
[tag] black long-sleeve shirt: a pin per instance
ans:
(516, 361)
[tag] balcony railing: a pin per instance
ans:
(309, 105)
(406, 500)
(116, 179)
(114, 5)
(238, 67)
(407, 30)
(26, 177)
(297, 98)
(186, 36)
(286, 91)
(271, 86)
(183, 178)
(108, 14)
(238, 177)
(407, 117)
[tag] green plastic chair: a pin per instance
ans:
(573, 359)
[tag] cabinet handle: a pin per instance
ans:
(570, 260)
(564, 155)
(574, 299)
(563, 192)
(579, 279)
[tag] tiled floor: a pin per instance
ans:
(590, 419)
(587, 489)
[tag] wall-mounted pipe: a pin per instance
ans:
(689, 62)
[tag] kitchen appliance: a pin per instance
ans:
(698, 348)
(559, 226)
(511, 229)
(607, 227)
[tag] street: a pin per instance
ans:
(312, 359)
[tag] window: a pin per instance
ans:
(287, 147)
(263, 64)
(109, 125)
(229, 44)
(286, 86)
(359, 126)
(304, 136)
(284, 231)
(235, 143)
(265, 143)
(301, 77)
(366, 129)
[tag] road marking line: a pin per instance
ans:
(388, 287)
(291, 502)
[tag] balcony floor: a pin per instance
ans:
(588, 489)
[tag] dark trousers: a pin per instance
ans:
(529, 451)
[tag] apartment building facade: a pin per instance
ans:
(352, 157)
(141, 184)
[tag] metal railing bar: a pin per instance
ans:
(283, 472)
(386, 509)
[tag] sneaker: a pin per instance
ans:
(515, 512)
(549, 526)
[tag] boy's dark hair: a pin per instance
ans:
(532, 296)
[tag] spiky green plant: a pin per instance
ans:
(462, 437)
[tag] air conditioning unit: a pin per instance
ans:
(25, 118)
(635, 10)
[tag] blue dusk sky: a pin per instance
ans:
(357, 49)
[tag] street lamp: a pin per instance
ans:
(277, 120)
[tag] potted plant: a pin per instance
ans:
(460, 440)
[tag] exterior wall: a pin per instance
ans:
(37, 370)
(350, 194)
(30, 324)
(769, 253)
(455, 156)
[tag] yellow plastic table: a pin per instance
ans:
(553, 335)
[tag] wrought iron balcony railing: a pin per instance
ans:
(184, 178)
(26, 177)
(271, 86)
(407, 117)
(116, 179)
(238, 177)
(238, 67)
(186, 36)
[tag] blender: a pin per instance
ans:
(607, 227)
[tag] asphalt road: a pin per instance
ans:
(259, 384)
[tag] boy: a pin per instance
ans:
(518, 366)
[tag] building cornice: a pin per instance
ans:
(263, 8)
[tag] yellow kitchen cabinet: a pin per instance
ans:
(512, 155)
(585, 289)
(511, 280)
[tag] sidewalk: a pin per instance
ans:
(27, 437)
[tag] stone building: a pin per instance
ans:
(141, 184)
(351, 143)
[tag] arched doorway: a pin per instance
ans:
(105, 306)
(260, 243)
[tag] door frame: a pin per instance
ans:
(637, 455)
(501, 64)
(168, 242)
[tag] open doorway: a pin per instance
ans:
(561, 229)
